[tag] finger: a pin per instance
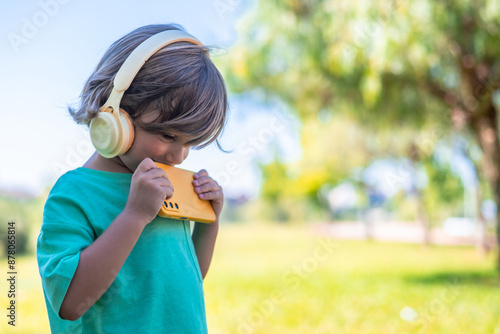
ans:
(156, 173)
(169, 191)
(212, 195)
(163, 182)
(201, 173)
(207, 187)
(146, 165)
(203, 179)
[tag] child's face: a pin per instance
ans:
(169, 150)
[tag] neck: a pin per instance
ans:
(98, 162)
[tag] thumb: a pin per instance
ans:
(145, 165)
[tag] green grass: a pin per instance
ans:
(31, 316)
(286, 280)
(281, 279)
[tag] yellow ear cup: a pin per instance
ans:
(111, 133)
(128, 131)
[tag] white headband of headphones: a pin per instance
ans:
(136, 60)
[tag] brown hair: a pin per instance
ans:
(179, 82)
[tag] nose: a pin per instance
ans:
(178, 154)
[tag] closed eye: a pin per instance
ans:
(168, 137)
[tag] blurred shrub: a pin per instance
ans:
(27, 213)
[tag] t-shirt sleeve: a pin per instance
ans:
(65, 232)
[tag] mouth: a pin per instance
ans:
(168, 163)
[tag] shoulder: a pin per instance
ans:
(64, 210)
(65, 188)
(88, 191)
(72, 190)
(86, 179)
(67, 179)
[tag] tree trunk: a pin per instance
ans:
(422, 217)
(368, 222)
(481, 242)
(485, 130)
(423, 220)
(482, 233)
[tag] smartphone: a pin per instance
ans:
(184, 204)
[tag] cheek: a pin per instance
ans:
(146, 144)
(151, 148)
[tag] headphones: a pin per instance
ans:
(111, 131)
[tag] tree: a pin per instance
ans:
(332, 147)
(432, 64)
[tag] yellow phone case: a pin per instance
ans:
(184, 204)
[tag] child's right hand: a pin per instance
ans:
(149, 188)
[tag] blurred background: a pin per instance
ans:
(363, 178)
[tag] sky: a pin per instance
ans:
(48, 48)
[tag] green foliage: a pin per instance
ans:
(386, 59)
(392, 66)
(332, 148)
(289, 199)
(442, 178)
(27, 215)
(444, 193)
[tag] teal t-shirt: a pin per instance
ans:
(159, 289)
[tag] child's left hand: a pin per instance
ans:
(208, 189)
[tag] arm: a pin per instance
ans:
(204, 235)
(101, 261)
(99, 264)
